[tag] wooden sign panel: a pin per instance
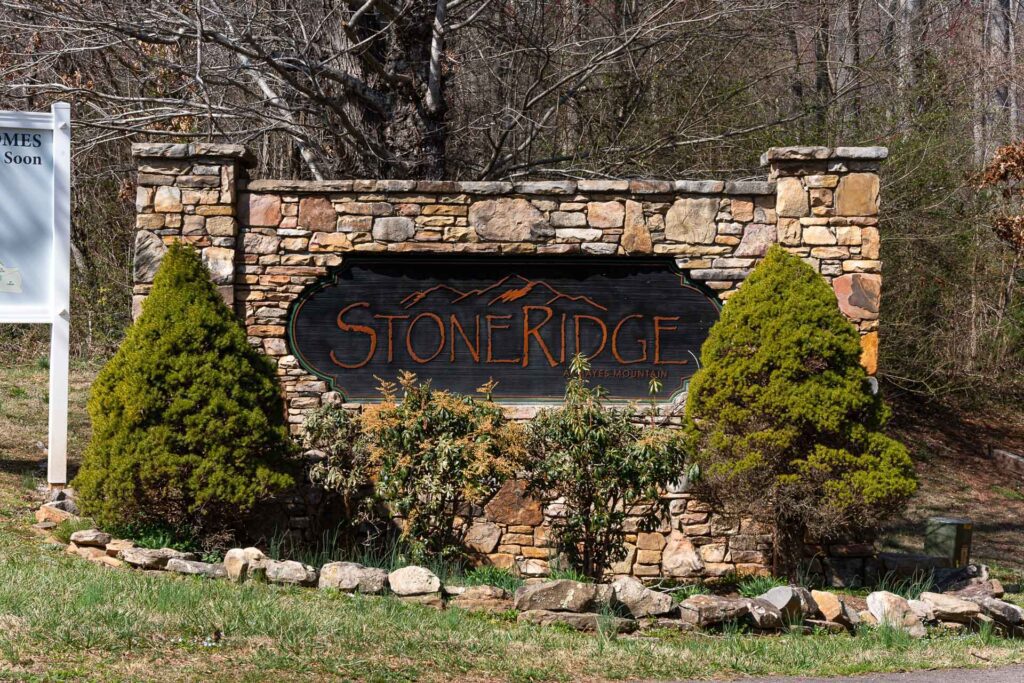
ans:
(460, 320)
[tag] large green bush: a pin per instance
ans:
(603, 464)
(187, 421)
(781, 418)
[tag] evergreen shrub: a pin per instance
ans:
(781, 418)
(188, 424)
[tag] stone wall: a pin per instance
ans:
(264, 241)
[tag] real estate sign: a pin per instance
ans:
(35, 241)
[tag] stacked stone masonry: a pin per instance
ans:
(265, 241)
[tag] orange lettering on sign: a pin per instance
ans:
(534, 332)
(615, 342)
(391, 332)
(490, 338)
(440, 341)
(658, 328)
(474, 350)
(361, 329)
(604, 334)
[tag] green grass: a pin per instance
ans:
(63, 618)
(1008, 494)
(753, 586)
(82, 621)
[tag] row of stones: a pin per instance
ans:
(388, 222)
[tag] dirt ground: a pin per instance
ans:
(958, 479)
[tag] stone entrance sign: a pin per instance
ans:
(461, 321)
(337, 281)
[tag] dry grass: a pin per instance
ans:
(957, 480)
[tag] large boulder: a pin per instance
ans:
(563, 595)
(640, 600)
(922, 610)
(951, 608)
(289, 572)
(352, 577)
(713, 610)
(92, 538)
(413, 580)
(586, 621)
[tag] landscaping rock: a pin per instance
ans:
(764, 615)
(563, 595)
(829, 605)
(289, 572)
(640, 600)
(867, 618)
(713, 610)
(352, 577)
(237, 561)
(426, 599)
(807, 604)
(483, 599)
(982, 589)
(585, 621)
(413, 580)
(833, 608)
(117, 545)
(196, 568)
(85, 552)
(47, 513)
(825, 625)
(951, 608)
(91, 537)
(1002, 612)
(888, 608)
(149, 558)
(107, 561)
(787, 601)
(668, 624)
(922, 610)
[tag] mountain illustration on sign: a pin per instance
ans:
(518, 288)
(10, 280)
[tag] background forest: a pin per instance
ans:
(498, 89)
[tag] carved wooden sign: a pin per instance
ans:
(461, 320)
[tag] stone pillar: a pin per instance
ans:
(187, 192)
(827, 205)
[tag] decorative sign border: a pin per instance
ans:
(333, 277)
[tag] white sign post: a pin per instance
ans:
(35, 247)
